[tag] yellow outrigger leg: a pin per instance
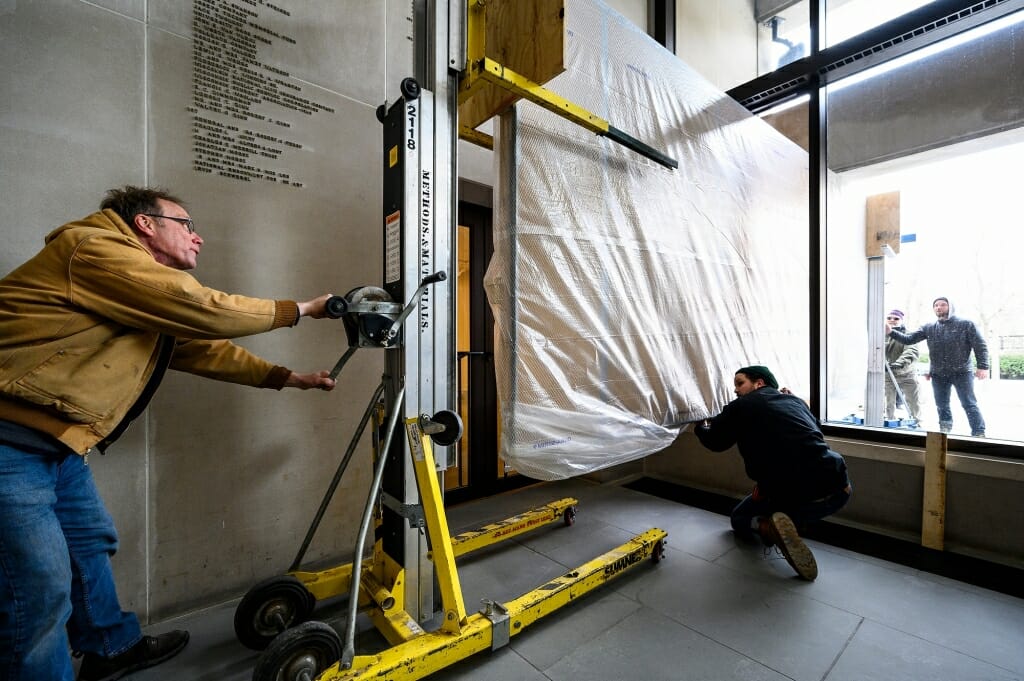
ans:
(300, 653)
(324, 584)
(563, 509)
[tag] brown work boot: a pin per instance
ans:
(149, 651)
(780, 531)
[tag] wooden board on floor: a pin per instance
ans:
(933, 517)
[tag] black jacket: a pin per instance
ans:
(950, 343)
(783, 448)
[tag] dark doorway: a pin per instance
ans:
(477, 469)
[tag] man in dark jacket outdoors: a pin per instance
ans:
(902, 361)
(87, 327)
(951, 340)
(798, 479)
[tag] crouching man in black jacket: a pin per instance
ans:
(798, 479)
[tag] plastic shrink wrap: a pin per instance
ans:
(625, 294)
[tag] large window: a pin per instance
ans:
(924, 201)
(847, 18)
(784, 33)
(960, 237)
(913, 117)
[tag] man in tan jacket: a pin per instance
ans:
(87, 328)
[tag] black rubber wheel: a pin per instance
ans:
(569, 516)
(271, 607)
(452, 428)
(658, 553)
(304, 652)
(410, 88)
(382, 112)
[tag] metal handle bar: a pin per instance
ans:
(428, 280)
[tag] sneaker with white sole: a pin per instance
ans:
(783, 534)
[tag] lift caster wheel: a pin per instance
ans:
(569, 516)
(410, 88)
(299, 654)
(271, 607)
(658, 552)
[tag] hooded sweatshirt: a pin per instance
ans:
(950, 343)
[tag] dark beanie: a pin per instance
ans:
(940, 298)
(762, 372)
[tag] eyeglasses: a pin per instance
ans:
(189, 225)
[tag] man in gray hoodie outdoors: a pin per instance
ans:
(950, 343)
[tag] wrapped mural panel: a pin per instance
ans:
(625, 294)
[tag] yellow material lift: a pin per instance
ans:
(313, 650)
(274, 616)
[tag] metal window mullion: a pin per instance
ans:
(817, 215)
(661, 22)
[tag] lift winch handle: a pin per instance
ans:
(340, 364)
(424, 283)
(433, 278)
(336, 307)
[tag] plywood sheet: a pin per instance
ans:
(527, 36)
(882, 224)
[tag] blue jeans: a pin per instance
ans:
(801, 514)
(56, 584)
(964, 384)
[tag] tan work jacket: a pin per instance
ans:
(81, 323)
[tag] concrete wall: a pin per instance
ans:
(718, 39)
(214, 488)
(912, 109)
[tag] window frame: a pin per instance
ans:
(809, 76)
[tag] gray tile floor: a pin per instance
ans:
(713, 609)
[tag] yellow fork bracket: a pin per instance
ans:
(476, 38)
(481, 139)
(494, 72)
(424, 655)
(476, 30)
(522, 86)
(513, 527)
(482, 70)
